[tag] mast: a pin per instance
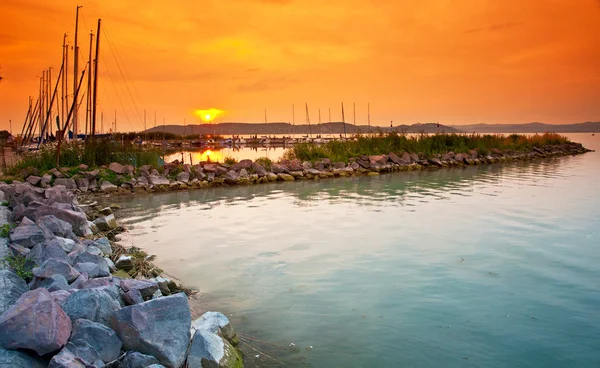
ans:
(330, 114)
(88, 101)
(42, 98)
(308, 120)
(145, 125)
(61, 134)
(26, 117)
(343, 120)
(64, 82)
(265, 116)
(95, 100)
(319, 116)
(354, 115)
(49, 113)
(75, 69)
(369, 116)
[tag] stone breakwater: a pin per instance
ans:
(63, 305)
(174, 176)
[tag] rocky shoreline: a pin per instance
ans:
(125, 179)
(67, 298)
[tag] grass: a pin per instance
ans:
(426, 144)
(93, 154)
(265, 162)
(5, 230)
(229, 160)
(17, 264)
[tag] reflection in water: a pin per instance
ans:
(219, 154)
(490, 266)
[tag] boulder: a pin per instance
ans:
(104, 342)
(158, 180)
(20, 359)
(116, 168)
(132, 297)
(57, 174)
(49, 249)
(92, 174)
(124, 263)
(395, 159)
(231, 177)
(55, 225)
(34, 180)
(83, 184)
(53, 266)
(52, 283)
(96, 305)
(28, 235)
(104, 245)
(218, 323)
(59, 296)
(210, 168)
(183, 177)
(285, 177)
(143, 327)
(435, 161)
(77, 219)
(271, 176)
(339, 165)
(278, 169)
(66, 359)
(91, 269)
(108, 187)
(146, 287)
(46, 179)
(66, 182)
(259, 169)
(135, 359)
(11, 288)
(36, 322)
(210, 350)
(106, 223)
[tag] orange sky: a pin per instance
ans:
(452, 61)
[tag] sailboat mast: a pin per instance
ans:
(343, 120)
(95, 100)
(75, 70)
(319, 116)
(308, 120)
(64, 83)
(369, 116)
(88, 101)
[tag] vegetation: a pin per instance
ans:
(5, 230)
(101, 152)
(229, 160)
(18, 265)
(426, 144)
(265, 162)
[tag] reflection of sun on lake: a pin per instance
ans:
(219, 155)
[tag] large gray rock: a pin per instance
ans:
(132, 297)
(60, 296)
(66, 182)
(183, 177)
(36, 322)
(145, 287)
(259, 169)
(28, 235)
(55, 225)
(158, 180)
(159, 327)
(135, 359)
(11, 289)
(49, 249)
(88, 257)
(53, 267)
(19, 359)
(96, 305)
(108, 187)
(34, 180)
(104, 245)
(77, 219)
(217, 323)
(116, 168)
(66, 359)
(231, 177)
(104, 342)
(91, 269)
(210, 350)
(106, 223)
(52, 283)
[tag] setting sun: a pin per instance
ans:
(209, 115)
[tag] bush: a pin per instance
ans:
(17, 264)
(5, 230)
(265, 162)
(229, 160)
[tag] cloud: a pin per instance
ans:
(266, 83)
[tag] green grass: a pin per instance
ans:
(93, 154)
(229, 160)
(426, 144)
(5, 230)
(265, 162)
(17, 264)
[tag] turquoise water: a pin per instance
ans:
(491, 266)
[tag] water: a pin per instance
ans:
(219, 154)
(491, 266)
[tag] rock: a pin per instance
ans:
(163, 284)
(46, 179)
(116, 168)
(108, 187)
(49, 249)
(132, 297)
(364, 162)
(19, 359)
(285, 177)
(104, 245)
(55, 225)
(395, 159)
(92, 174)
(60, 296)
(278, 169)
(158, 180)
(66, 244)
(210, 350)
(106, 223)
(91, 269)
(96, 305)
(66, 182)
(106, 211)
(231, 177)
(66, 359)
(243, 174)
(135, 359)
(339, 165)
(53, 267)
(124, 263)
(143, 327)
(111, 264)
(183, 177)
(52, 283)
(210, 168)
(34, 180)
(259, 169)
(271, 176)
(36, 322)
(218, 323)
(57, 174)
(11, 288)
(145, 287)
(28, 235)
(243, 164)
(435, 161)
(100, 282)
(80, 282)
(78, 220)
(104, 341)
(82, 167)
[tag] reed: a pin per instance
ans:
(428, 144)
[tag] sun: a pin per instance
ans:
(209, 115)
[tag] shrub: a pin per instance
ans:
(18, 265)
(229, 160)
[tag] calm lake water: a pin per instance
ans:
(490, 266)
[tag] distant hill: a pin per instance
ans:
(587, 127)
(287, 128)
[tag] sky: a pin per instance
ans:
(449, 61)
